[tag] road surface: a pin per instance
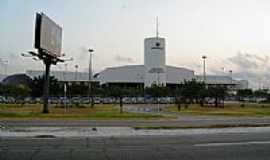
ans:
(180, 121)
(221, 146)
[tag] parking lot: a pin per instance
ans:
(86, 100)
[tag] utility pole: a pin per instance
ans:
(90, 96)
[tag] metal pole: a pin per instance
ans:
(231, 78)
(46, 86)
(76, 72)
(204, 78)
(204, 72)
(89, 79)
(158, 104)
(158, 78)
(65, 94)
(65, 87)
(90, 97)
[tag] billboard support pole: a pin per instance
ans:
(48, 60)
(46, 86)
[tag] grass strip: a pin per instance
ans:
(86, 116)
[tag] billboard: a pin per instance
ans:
(48, 35)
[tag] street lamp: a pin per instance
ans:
(231, 77)
(90, 97)
(230, 71)
(204, 73)
(76, 72)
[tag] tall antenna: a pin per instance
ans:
(157, 33)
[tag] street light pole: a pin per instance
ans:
(204, 72)
(230, 71)
(65, 87)
(76, 72)
(90, 97)
(231, 76)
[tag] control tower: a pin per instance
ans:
(155, 60)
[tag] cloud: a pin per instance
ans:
(18, 64)
(83, 53)
(119, 58)
(251, 67)
(244, 61)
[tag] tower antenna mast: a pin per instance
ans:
(157, 32)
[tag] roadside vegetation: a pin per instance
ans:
(247, 109)
(108, 101)
(100, 112)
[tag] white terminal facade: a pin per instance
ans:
(154, 71)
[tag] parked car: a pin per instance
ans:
(2, 99)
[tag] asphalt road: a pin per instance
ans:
(226, 146)
(180, 121)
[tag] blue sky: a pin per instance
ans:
(224, 30)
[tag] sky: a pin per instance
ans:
(233, 34)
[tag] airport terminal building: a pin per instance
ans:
(154, 71)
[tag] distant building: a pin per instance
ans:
(17, 79)
(154, 71)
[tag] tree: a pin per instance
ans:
(2, 89)
(261, 93)
(18, 91)
(244, 93)
(22, 90)
(156, 92)
(38, 82)
(178, 97)
(218, 93)
(118, 93)
(192, 90)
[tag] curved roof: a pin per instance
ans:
(18, 79)
(124, 74)
(135, 74)
(213, 79)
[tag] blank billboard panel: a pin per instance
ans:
(48, 35)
